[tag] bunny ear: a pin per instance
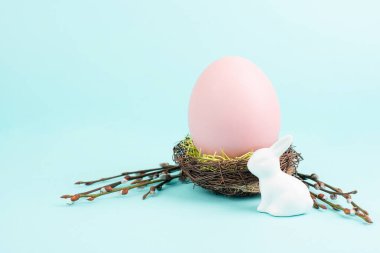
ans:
(280, 146)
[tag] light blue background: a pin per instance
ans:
(92, 88)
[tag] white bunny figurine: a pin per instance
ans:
(281, 194)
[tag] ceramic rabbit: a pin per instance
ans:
(281, 194)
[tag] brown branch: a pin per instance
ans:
(345, 210)
(121, 189)
(327, 191)
(152, 189)
(166, 174)
(334, 192)
(358, 207)
(158, 177)
(127, 173)
(113, 185)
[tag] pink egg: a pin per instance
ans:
(234, 108)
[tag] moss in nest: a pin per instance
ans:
(191, 150)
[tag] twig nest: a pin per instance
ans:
(222, 174)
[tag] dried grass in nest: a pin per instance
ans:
(222, 174)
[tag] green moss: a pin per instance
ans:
(188, 145)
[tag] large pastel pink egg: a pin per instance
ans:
(234, 108)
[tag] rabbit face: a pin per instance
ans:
(263, 162)
(266, 161)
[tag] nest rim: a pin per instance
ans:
(224, 175)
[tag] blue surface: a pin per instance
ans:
(92, 88)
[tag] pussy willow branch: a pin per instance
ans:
(333, 192)
(141, 175)
(163, 175)
(141, 172)
(158, 177)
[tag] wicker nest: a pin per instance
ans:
(224, 175)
